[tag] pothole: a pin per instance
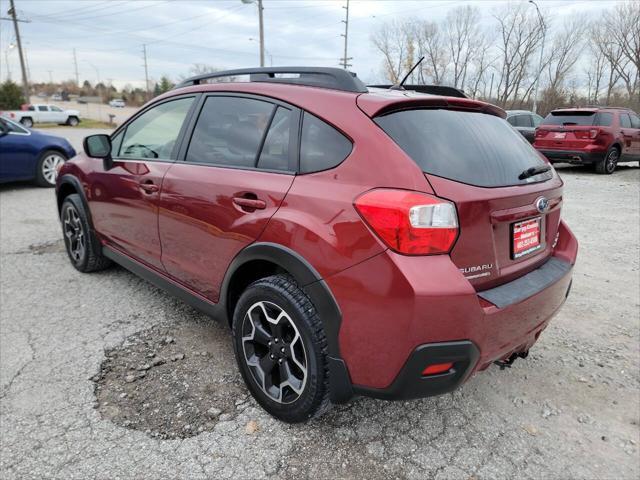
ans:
(171, 382)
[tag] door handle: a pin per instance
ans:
(250, 203)
(149, 187)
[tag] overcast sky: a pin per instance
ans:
(108, 35)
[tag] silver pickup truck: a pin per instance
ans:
(43, 113)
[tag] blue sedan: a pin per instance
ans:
(30, 155)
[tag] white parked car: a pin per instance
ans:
(56, 97)
(117, 103)
(42, 113)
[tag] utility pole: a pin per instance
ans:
(50, 76)
(146, 71)
(25, 81)
(261, 33)
(544, 34)
(260, 20)
(345, 59)
(75, 64)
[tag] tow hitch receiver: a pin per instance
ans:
(506, 363)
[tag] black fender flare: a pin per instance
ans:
(77, 185)
(318, 291)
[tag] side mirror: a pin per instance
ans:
(99, 146)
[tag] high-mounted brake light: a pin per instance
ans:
(410, 222)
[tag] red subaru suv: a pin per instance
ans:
(358, 241)
(600, 136)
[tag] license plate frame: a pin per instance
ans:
(520, 232)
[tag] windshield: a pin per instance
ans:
(474, 148)
(582, 119)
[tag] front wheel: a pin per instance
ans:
(281, 349)
(82, 248)
(73, 121)
(608, 164)
(47, 168)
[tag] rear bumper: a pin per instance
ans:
(573, 156)
(400, 314)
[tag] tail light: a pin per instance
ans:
(409, 222)
(541, 132)
(587, 134)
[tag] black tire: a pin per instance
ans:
(303, 338)
(74, 217)
(608, 164)
(46, 168)
(27, 122)
(73, 121)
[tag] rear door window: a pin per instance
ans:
(523, 121)
(625, 121)
(229, 132)
(474, 148)
(604, 119)
(322, 147)
(568, 118)
(275, 150)
(635, 121)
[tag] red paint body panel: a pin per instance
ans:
(124, 214)
(485, 216)
(202, 229)
(393, 303)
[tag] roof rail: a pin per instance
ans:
(430, 89)
(334, 78)
(604, 106)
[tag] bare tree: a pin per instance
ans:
(431, 45)
(520, 36)
(596, 69)
(463, 36)
(612, 54)
(565, 51)
(392, 39)
(622, 38)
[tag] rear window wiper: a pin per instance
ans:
(533, 171)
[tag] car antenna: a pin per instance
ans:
(399, 86)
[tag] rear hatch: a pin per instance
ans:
(567, 130)
(477, 161)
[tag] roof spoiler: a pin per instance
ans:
(442, 90)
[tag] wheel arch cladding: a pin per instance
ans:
(264, 259)
(69, 185)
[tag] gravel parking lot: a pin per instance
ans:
(105, 376)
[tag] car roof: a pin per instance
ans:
(519, 112)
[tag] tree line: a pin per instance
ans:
(577, 62)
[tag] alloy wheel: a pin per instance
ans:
(50, 166)
(274, 352)
(74, 234)
(611, 161)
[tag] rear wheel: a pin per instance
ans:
(281, 349)
(27, 122)
(47, 168)
(79, 240)
(608, 164)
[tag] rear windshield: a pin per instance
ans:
(474, 148)
(583, 119)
